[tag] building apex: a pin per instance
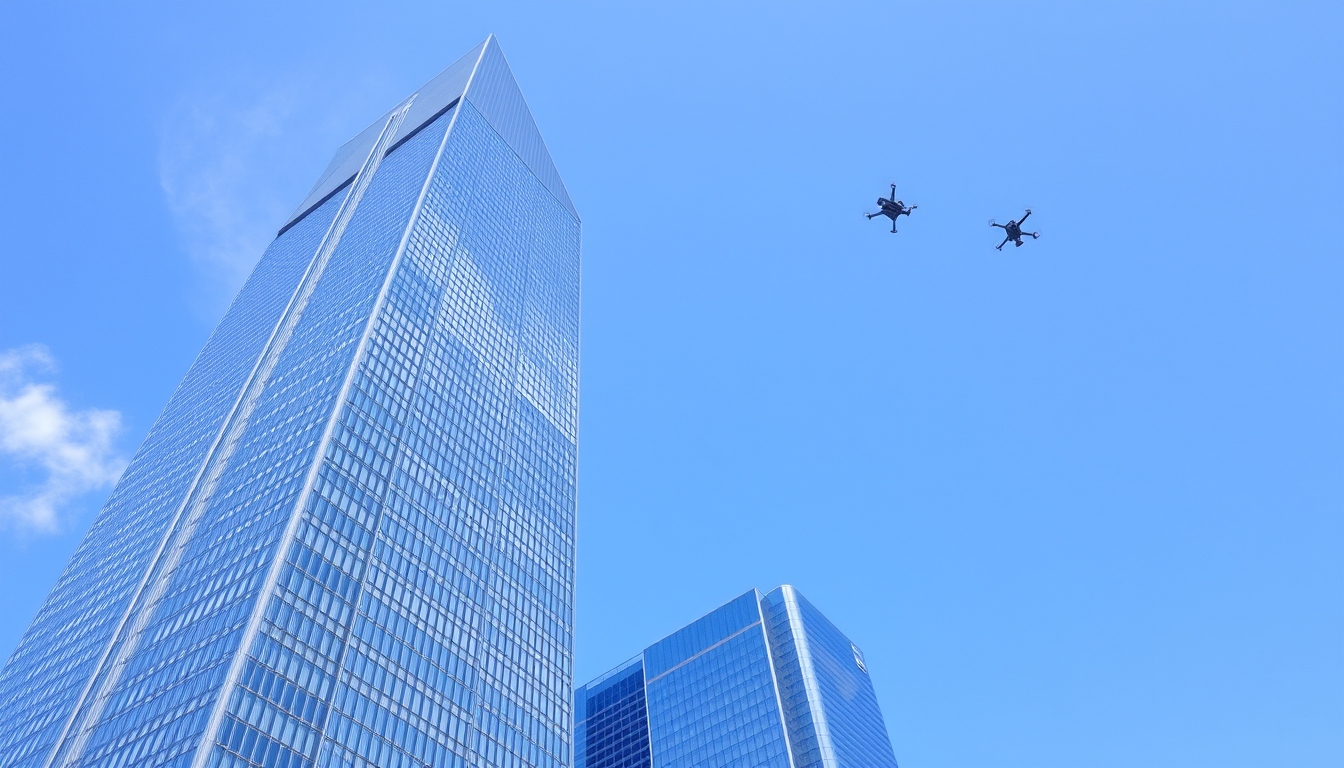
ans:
(484, 79)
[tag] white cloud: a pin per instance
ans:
(237, 155)
(217, 167)
(69, 452)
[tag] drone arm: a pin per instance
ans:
(1024, 217)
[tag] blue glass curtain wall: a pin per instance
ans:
(349, 539)
(764, 680)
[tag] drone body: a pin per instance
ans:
(891, 208)
(1013, 231)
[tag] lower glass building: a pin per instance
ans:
(765, 681)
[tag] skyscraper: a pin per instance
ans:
(348, 539)
(762, 682)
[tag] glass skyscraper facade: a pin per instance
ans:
(765, 681)
(348, 540)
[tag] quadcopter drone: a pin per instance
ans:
(1013, 231)
(891, 208)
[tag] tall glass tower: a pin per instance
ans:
(348, 540)
(762, 682)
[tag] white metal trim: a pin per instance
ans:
(350, 378)
(212, 460)
(825, 747)
(774, 678)
(351, 202)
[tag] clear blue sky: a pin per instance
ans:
(1080, 503)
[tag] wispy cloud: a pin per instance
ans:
(217, 166)
(237, 155)
(66, 453)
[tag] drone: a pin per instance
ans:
(1013, 231)
(891, 208)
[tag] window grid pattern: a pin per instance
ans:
(715, 702)
(159, 710)
(471, 385)
(495, 93)
(280, 707)
(60, 650)
(423, 613)
(613, 726)
(703, 633)
(793, 688)
(857, 734)
(716, 688)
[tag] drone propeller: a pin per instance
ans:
(993, 223)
